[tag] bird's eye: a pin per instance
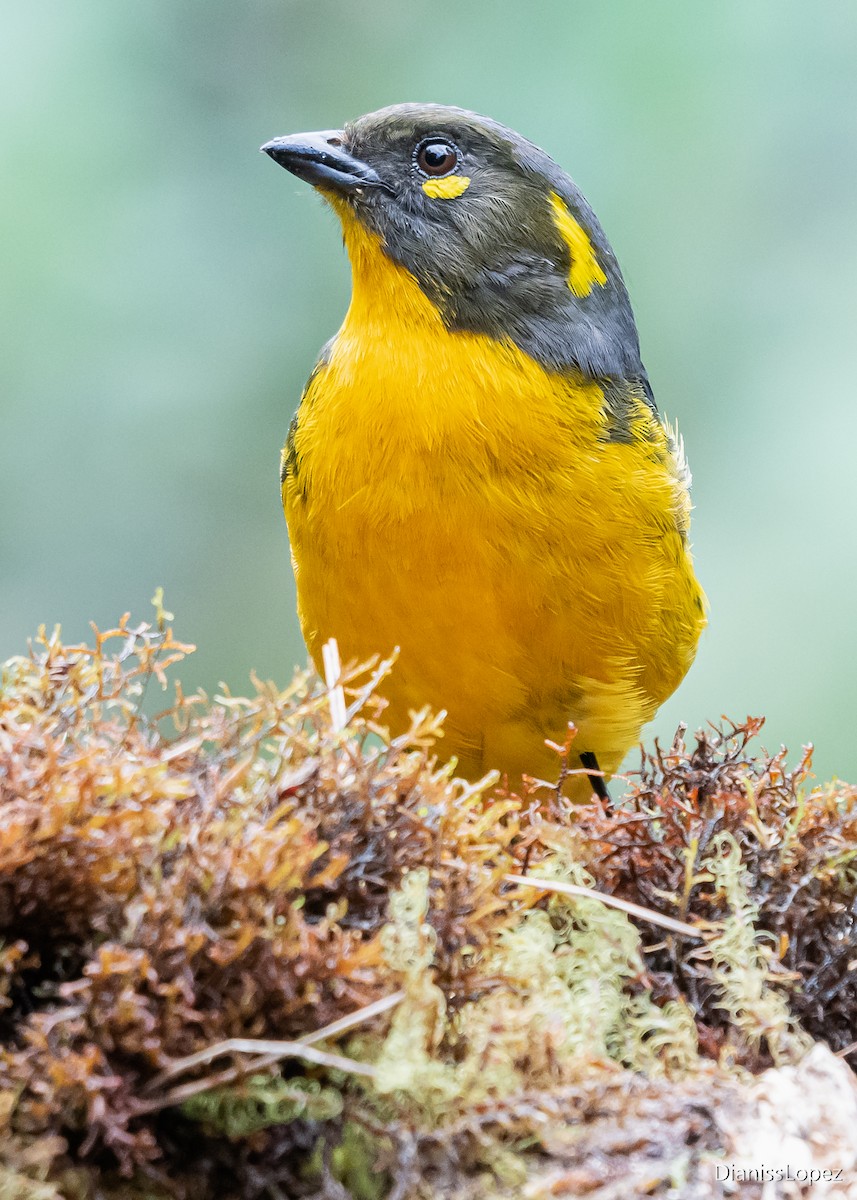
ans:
(435, 156)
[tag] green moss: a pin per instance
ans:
(261, 1101)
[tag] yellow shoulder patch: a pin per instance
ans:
(447, 188)
(585, 270)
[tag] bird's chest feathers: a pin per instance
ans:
(406, 418)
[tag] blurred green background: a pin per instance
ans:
(165, 289)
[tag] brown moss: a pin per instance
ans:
(798, 848)
(160, 893)
(260, 868)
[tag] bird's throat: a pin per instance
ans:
(385, 295)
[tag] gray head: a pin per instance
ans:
(498, 237)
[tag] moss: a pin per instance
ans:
(741, 965)
(260, 1101)
(254, 946)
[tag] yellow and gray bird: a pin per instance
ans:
(477, 472)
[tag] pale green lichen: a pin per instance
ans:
(562, 1000)
(741, 964)
(408, 1062)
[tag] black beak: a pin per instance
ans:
(320, 159)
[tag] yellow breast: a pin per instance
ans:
(447, 495)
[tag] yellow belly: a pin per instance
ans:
(450, 497)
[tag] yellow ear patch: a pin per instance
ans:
(447, 188)
(585, 270)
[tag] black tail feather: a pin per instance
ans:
(599, 784)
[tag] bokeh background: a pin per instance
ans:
(165, 289)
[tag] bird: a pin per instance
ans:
(477, 473)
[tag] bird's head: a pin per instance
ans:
(498, 237)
